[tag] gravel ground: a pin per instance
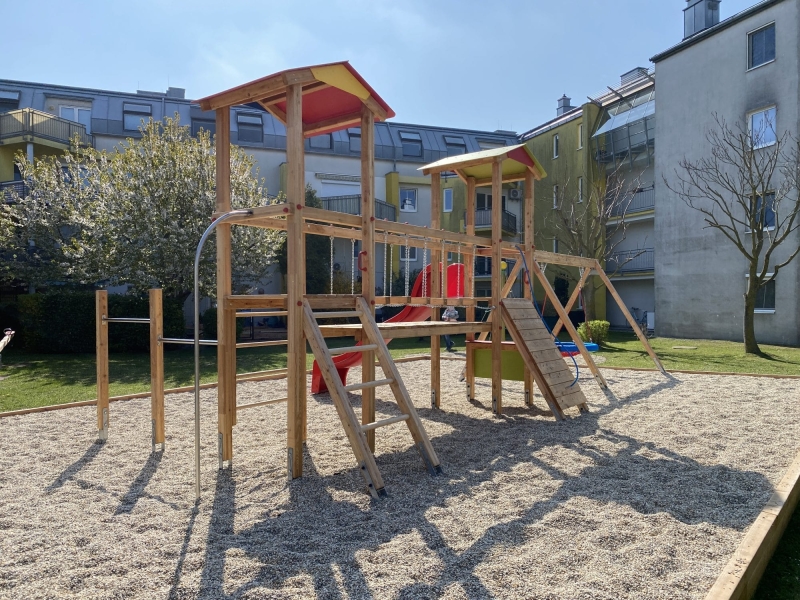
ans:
(646, 496)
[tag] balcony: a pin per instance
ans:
(29, 125)
(352, 206)
(642, 201)
(483, 221)
(8, 187)
(631, 262)
(483, 266)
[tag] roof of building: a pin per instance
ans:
(517, 160)
(334, 95)
(553, 123)
(706, 33)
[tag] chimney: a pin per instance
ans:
(699, 15)
(173, 92)
(564, 105)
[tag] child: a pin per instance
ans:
(451, 315)
(7, 335)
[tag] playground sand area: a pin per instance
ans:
(646, 496)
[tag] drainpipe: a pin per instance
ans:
(30, 152)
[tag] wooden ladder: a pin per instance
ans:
(338, 391)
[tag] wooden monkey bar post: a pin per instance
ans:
(529, 247)
(435, 289)
(469, 267)
(157, 368)
(367, 261)
(497, 259)
(101, 328)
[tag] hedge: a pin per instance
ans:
(64, 322)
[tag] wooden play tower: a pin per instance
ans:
(322, 99)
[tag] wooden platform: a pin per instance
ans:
(407, 329)
(550, 371)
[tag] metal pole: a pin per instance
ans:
(200, 245)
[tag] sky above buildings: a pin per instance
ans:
(456, 63)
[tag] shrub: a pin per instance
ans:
(208, 323)
(64, 322)
(594, 331)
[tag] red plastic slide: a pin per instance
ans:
(343, 362)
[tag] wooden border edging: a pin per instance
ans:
(740, 577)
(725, 373)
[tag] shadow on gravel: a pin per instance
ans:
(313, 534)
(71, 471)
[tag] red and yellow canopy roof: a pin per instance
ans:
(516, 160)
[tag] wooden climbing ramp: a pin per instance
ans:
(356, 432)
(552, 374)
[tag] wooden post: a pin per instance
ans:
(551, 295)
(629, 317)
(497, 259)
(435, 289)
(226, 318)
(157, 368)
(469, 266)
(367, 260)
(529, 249)
(101, 344)
(296, 284)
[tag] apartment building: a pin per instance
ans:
(745, 70)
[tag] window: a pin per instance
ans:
(555, 146)
(769, 210)
(484, 202)
(580, 136)
(490, 144)
(321, 142)
(412, 254)
(408, 200)
(765, 298)
(134, 115)
(555, 196)
(762, 127)
(455, 145)
(447, 200)
(250, 127)
(77, 114)
(206, 124)
(354, 134)
(580, 189)
(412, 144)
(8, 101)
(761, 46)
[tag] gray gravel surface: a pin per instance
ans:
(646, 496)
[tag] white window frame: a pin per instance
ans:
(76, 109)
(416, 199)
(747, 230)
(412, 254)
(580, 189)
(555, 146)
(765, 311)
(747, 46)
(580, 136)
(753, 113)
(447, 193)
(555, 196)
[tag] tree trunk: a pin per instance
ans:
(750, 343)
(589, 295)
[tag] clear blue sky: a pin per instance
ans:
(460, 63)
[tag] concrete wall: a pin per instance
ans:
(700, 275)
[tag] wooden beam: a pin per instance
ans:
(436, 284)
(375, 108)
(469, 265)
(101, 348)
(310, 88)
(628, 317)
(576, 293)
(497, 259)
(226, 318)
(367, 262)
(275, 112)
(157, 367)
(514, 177)
(256, 90)
(331, 217)
(296, 261)
(339, 122)
(433, 234)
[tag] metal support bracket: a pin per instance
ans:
(370, 486)
(153, 438)
(433, 398)
(494, 406)
(103, 433)
(219, 453)
(289, 463)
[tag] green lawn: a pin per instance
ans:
(39, 379)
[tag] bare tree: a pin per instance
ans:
(593, 226)
(746, 189)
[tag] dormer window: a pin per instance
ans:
(134, 115)
(412, 144)
(250, 126)
(354, 133)
(455, 145)
(78, 115)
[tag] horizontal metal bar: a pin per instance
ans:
(367, 385)
(344, 314)
(262, 344)
(264, 403)
(187, 342)
(263, 313)
(348, 349)
(125, 320)
(384, 423)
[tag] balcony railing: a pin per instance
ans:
(30, 122)
(631, 261)
(641, 201)
(483, 266)
(352, 206)
(8, 187)
(483, 220)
